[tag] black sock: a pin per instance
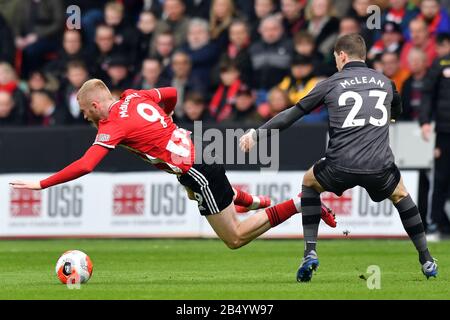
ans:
(311, 210)
(412, 222)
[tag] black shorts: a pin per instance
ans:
(379, 186)
(211, 187)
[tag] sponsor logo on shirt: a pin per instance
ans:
(103, 137)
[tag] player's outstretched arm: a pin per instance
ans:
(281, 121)
(81, 167)
(286, 118)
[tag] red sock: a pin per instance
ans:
(281, 212)
(243, 198)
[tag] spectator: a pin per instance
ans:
(277, 101)
(222, 13)
(244, 108)
(38, 80)
(195, 109)
(92, 16)
(301, 79)
(10, 83)
(305, 45)
(443, 44)
(271, 56)
(36, 28)
(435, 17)
(7, 47)
(393, 70)
(391, 40)
(413, 86)
(435, 104)
(420, 38)
(198, 8)
(118, 73)
(163, 50)
(349, 25)
(263, 9)
(72, 49)
(174, 21)
(183, 80)
(145, 28)
(376, 63)
(150, 75)
(105, 48)
(10, 115)
(8, 11)
(76, 74)
(323, 26)
(343, 7)
(126, 37)
(245, 8)
(360, 13)
(221, 105)
(202, 52)
(293, 16)
(44, 111)
(114, 17)
(401, 12)
(238, 49)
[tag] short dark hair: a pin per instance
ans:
(195, 97)
(353, 45)
(441, 38)
(76, 64)
(44, 92)
(227, 64)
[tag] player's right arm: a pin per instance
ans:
(79, 168)
(285, 119)
(165, 97)
(109, 135)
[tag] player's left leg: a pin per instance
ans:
(236, 233)
(412, 222)
(245, 201)
(311, 207)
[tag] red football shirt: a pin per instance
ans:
(138, 123)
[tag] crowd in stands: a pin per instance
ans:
(232, 61)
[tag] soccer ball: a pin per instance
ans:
(74, 266)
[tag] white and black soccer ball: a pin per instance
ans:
(73, 267)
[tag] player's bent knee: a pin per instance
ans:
(234, 242)
(233, 245)
(399, 196)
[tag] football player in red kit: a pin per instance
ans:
(140, 122)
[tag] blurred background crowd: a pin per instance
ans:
(232, 61)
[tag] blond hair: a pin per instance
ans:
(93, 89)
(216, 27)
(309, 15)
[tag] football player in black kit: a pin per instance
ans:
(361, 103)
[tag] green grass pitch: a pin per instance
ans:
(206, 269)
